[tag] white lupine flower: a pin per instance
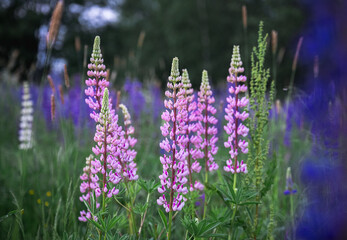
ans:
(26, 119)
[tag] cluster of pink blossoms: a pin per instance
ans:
(235, 116)
(175, 170)
(190, 135)
(206, 131)
(128, 154)
(114, 157)
(192, 140)
(97, 80)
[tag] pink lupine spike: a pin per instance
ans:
(175, 170)
(128, 155)
(188, 108)
(235, 128)
(109, 138)
(206, 121)
(97, 79)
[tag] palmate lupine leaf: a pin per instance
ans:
(149, 186)
(239, 197)
(202, 229)
(163, 217)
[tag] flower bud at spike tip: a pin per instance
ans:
(105, 105)
(185, 79)
(174, 69)
(96, 48)
(205, 86)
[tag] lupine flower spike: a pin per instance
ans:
(26, 119)
(128, 155)
(173, 178)
(235, 116)
(108, 138)
(289, 183)
(206, 125)
(86, 187)
(192, 141)
(96, 82)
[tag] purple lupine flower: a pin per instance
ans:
(26, 119)
(156, 101)
(289, 183)
(108, 138)
(192, 153)
(128, 154)
(136, 99)
(206, 129)
(97, 80)
(173, 178)
(234, 128)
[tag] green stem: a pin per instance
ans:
(206, 156)
(235, 208)
(292, 214)
(205, 201)
(143, 216)
(232, 222)
(169, 228)
(234, 186)
(130, 210)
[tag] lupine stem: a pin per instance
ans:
(104, 175)
(130, 210)
(234, 212)
(169, 227)
(187, 132)
(172, 163)
(292, 214)
(143, 216)
(206, 156)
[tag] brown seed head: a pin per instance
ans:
(141, 39)
(52, 107)
(118, 100)
(274, 41)
(61, 94)
(244, 16)
(55, 23)
(316, 66)
(296, 57)
(77, 44)
(51, 83)
(66, 77)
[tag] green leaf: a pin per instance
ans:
(163, 217)
(97, 225)
(10, 214)
(113, 222)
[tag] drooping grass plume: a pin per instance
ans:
(66, 77)
(51, 83)
(55, 24)
(61, 94)
(52, 107)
